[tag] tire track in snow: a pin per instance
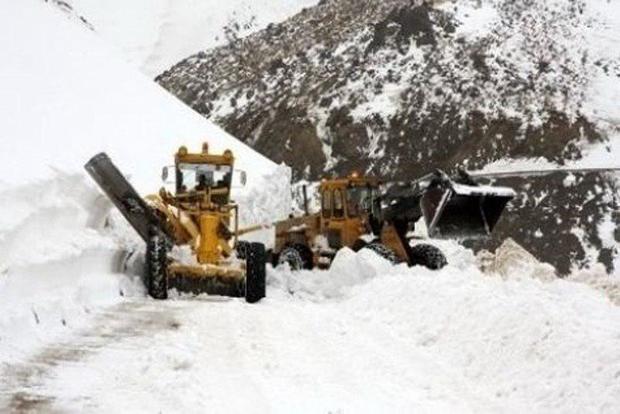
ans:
(226, 356)
(23, 388)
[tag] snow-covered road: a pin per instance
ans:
(364, 337)
(77, 336)
(225, 356)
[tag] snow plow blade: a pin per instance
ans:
(123, 195)
(453, 210)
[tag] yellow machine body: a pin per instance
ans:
(202, 217)
(340, 223)
(198, 217)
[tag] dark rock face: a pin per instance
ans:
(556, 217)
(396, 88)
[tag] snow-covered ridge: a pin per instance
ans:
(155, 34)
(85, 100)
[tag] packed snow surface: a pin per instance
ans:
(156, 34)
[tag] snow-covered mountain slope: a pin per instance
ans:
(156, 34)
(65, 96)
(398, 88)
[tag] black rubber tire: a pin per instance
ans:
(298, 257)
(428, 256)
(359, 245)
(383, 251)
(242, 249)
(157, 266)
(256, 274)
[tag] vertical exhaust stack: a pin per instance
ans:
(305, 194)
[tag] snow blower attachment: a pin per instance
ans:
(356, 214)
(199, 218)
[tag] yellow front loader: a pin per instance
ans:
(191, 233)
(356, 212)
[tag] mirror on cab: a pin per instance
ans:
(241, 178)
(167, 174)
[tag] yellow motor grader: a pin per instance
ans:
(198, 217)
(357, 213)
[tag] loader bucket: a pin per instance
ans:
(463, 211)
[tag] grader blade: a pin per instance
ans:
(461, 211)
(187, 283)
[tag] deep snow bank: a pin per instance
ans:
(56, 262)
(520, 339)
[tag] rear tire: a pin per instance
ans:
(255, 279)
(157, 266)
(298, 257)
(383, 251)
(428, 256)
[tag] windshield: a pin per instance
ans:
(199, 177)
(359, 200)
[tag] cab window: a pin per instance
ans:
(338, 204)
(199, 177)
(327, 204)
(358, 200)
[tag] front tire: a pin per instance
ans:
(157, 266)
(428, 256)
(297, 256)
(255, 279)
(383, 251)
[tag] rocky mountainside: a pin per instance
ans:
(396, 88)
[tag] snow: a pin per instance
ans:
(603, 43)
(365, 336)
(65, 97)
(521, 164)
(84, 99)
(488, 333)
(475, 19)
(156, 34)
(462, 189)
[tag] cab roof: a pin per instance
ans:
(183, 156)
(351, 181)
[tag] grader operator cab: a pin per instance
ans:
(356, 213)
(198, 217)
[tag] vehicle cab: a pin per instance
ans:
(345, 204)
